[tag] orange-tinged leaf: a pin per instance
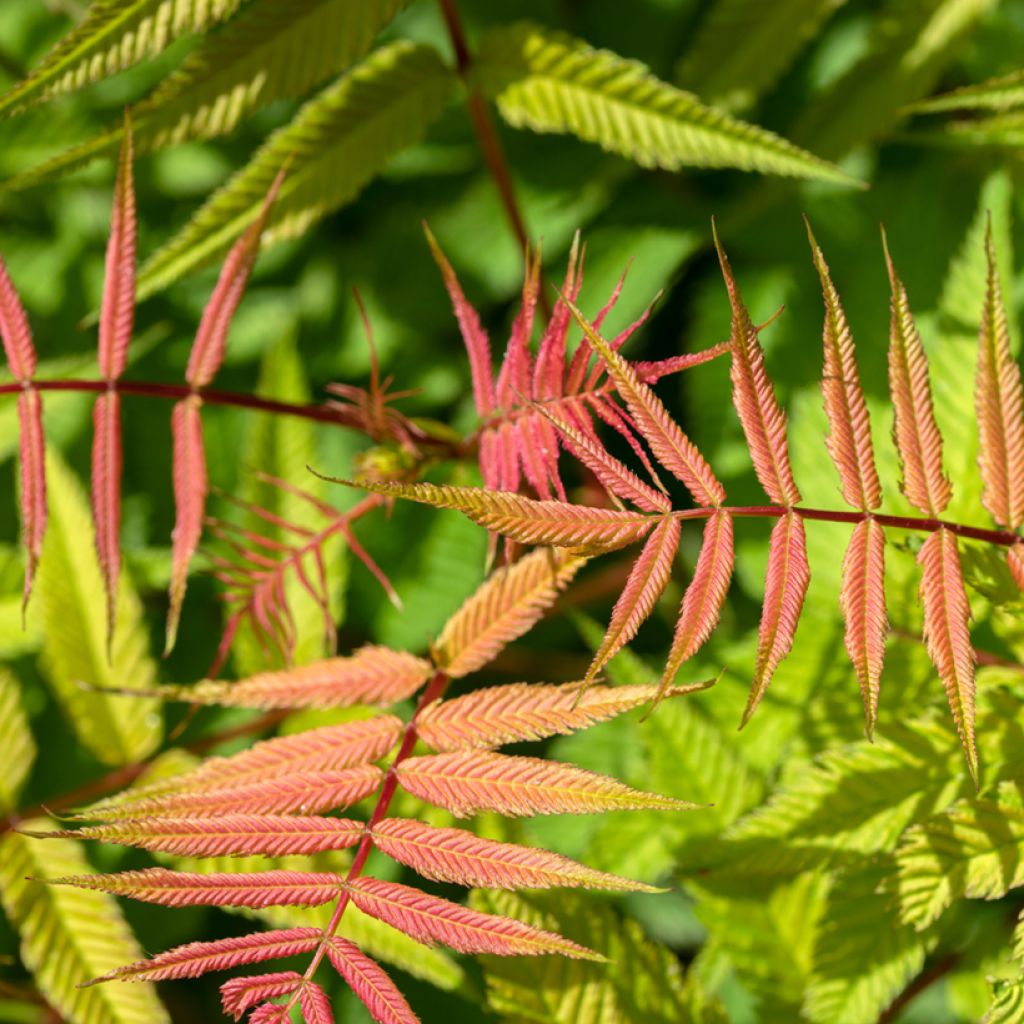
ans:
(916, 434)
(646, 582)
(211, 338)
(218, 889)
(462, 858)
(528, 711)
(786, 581)
(269, 835)
(197, 958)
(577, 527)
(190, 490)
(117, 310)
(704, 597)
(429, 919)
(32, 470)
(673, 449)
(947, 633)
(14, 330)
(467, 782)
(307, 792)
(508, 604)
(106, 497)
(373, 987)
(999, 399)
(763, 422)
(862, 598)
(1015, 559)
(239, 995)
(849, 442)
(372, 675)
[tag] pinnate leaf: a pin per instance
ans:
(32, 478)
(763, 422)
(373, 987)
(316, 1007)
(429, 919)
(239, 995)
(117, 310)
(106, 496)
(576, 527)
(16, 741)
(467, 782)
(915, 431)
(1002, 93)
(460, 857)
(947, 633)
(508, 604)
(14, 330)
(1015, 559)
(528, 711)
(786, 581)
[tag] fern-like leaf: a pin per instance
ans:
(917, 436)
(1015, 560)
(849, 443)
(786, 581)
(267, 835)
(15, 331)
(467, 782)
(197, 958)
(528, 711)
(69, 936)
(373, 987)
(647, 580)
(336, 143)
(114, 35)
(429, 919)
(549, 82)
(704, 597)
(947, 633)
(763, 422)
(508, 604)
(239, 995)
(460, 857)
(15, 740)
(106, 496)
(1002, 93)
(576, 527)
(863, 602)
(999, 400)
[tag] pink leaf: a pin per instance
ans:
(1015, 559)
(916, 434)
(106, 497)
(117, 311)
(947, 633)
(373, 987)
(32, 451)
(514, 377)
(217, 889)
(704, 597)
(190, 490)
(763, 422)
(211, 338)
(863, 602)
(785, 587)
(647, 580)
(239, 995)
(467, 782)
(460, 857)
(270, 1013)
(429, 919)
(197, 958)
(14, 330)
(316, 1007)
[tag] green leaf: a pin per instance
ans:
(1003, 130)
(113, 35)
(549, 82)
(71, 605)
(973, 849)
(1002, 93)
(336, 143)
(641, 982)
(70, 936)
(911, 42)
(864, 956)
(15, 741)
(738, 53)
(269, 52)
(1007, 1003)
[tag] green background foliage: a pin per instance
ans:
(831, 875)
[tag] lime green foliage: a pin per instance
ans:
(74, 652)
(642, 982)
(15, 741)
(551, 83)
(70, 936)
